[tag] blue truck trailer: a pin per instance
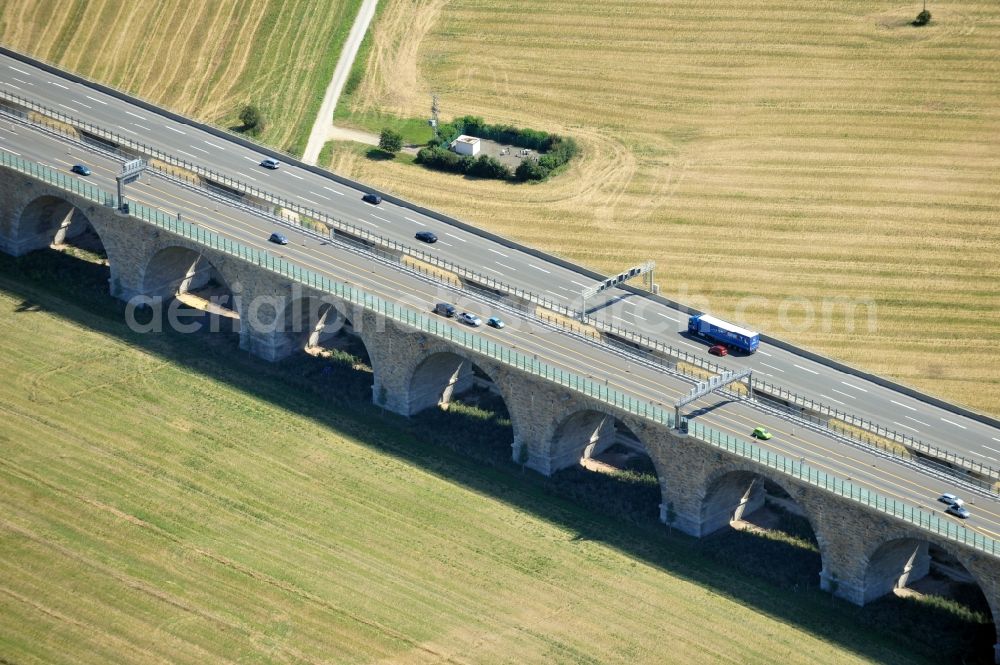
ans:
(721, 332)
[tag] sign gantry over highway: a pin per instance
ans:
(131, 170)
(611, 282)
(706, 387)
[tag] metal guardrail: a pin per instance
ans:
(381, 245)
(478, 344)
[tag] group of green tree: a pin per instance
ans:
(553, 150)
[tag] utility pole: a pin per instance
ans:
(435, 110)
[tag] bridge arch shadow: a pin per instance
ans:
(592, 453)
(756, 524)
(927, 586)
(75, 249)
(195, 290)
(450, 391)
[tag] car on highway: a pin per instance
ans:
(718, 350)
(278, 239)
(950, 499)
(444, 309)
(761, 433)
(470, 319)
(374, 199)
(81, 169)
(270, 163)
(958, 510)
(426, 236)
(495, 322)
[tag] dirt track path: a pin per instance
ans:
(323, 126)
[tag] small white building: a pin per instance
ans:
(466, 145)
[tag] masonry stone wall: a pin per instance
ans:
(864, 553)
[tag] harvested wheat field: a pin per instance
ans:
(202, 59)
(794, 153)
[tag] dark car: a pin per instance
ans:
(82, 169)
(495, 322)
(426, 236)
(719, 350)
(374, 199)
(270, 163)
(278, 238)
(444, 309)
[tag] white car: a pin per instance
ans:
(470, 319)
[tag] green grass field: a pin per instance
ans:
(770, 157)
(168, 499)
(202, 59)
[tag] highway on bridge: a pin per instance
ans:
(932, 425)
(570, 353)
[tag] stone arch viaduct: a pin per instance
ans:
(865, 553)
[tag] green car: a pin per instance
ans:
(761, 433)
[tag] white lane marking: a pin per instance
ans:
(504, 265)
(995, 439)
(905, 406)
(187, 153)
(496, 252)
(12, 152)
(251, 159)
(764, 353)
(532, 265)
(578, 283)
(491, 270)
(246, 176)
(387, 221)
(214, 145)
(142, 127)
(686, 344)
(99, 101)
(58, 85)
(410, 219)
(174, 129)
(896, 422)
(294, 175)
(16, 87)
(841, 392)
(308, 201)
(952, 422)
(69, 107)
(851, 385)
(446, 244)
(194, 147)
(667, 317)
(131, 131)
(616, 317)
(921, 422)
(639, 317)
(993, 449)
(135, 115)
(832, 399)
(333, 190)
(557, 295)
(454, 236)
(22, 81)
(806, 369)
(86, 106)
(21, 70)
(776, 369)
(325, 198)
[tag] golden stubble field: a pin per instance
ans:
(203, 59)
(774, 159)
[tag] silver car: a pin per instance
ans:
(470, 319)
